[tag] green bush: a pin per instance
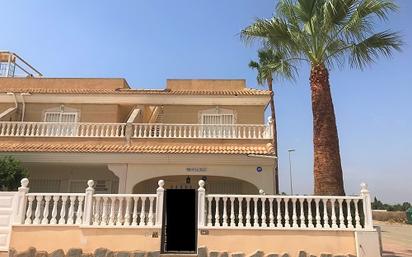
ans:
(11, 172)
(378, 205)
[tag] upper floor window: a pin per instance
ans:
(61, 114)
(217, 116)
(60, 117)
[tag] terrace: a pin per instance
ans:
(134, 130)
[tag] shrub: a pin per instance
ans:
(11, 172)
(390, 216)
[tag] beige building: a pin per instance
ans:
(69, 130)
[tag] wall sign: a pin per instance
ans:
(196, 169)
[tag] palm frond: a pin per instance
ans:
(276, 30)
(362, 20)
(367, 51)
(273, 65)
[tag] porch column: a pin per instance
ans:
(120, 170)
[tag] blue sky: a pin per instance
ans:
(147, 42)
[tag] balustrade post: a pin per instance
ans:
(159, 202)
(270, 128)
(20, 211)
(367, 206)
(128, 132)
(88, 203)
(201, 196)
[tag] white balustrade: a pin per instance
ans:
(53, 208)
(215, 211)
(232, 131)
(138, 130)
(89, 209)
(286, 212)
(126, 210)
(61, 129)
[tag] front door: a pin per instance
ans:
(180, 221)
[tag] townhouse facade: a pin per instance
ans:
(69, 130)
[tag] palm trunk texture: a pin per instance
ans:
(328, 177)
(275, 133)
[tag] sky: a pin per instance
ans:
(147, 42)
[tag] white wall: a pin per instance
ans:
(262, 180)
(7, 205)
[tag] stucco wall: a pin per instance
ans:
(190, 114)
(63, 175)
(81, 83)
(262, 180)
(88, 112)
(206, 84)
(50, 238)
(279, 241)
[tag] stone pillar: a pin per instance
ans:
(20, 211)
(201, 211)
(159, 202)
(88, 203)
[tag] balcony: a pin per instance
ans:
(134, 130)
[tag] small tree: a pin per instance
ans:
(11, 173)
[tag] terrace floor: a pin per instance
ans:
(396, 239)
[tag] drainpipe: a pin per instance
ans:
(15, 98)
(24, 105)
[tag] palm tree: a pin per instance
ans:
(270, 64)
(326, 33)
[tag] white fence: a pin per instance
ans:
(89, 209)
(214, 211)
(134, 130)
(285, 212)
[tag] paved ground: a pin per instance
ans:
(396, 239)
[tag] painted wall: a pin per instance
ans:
(58, 83)
(88, 112)
(279, 241)
(262, 180)
(68, 178)
(190, 114)
(206, 84)
(50, 238)
(7, 209)
(119, 113)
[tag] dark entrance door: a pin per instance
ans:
(180, 221)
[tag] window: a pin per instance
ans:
(61, 123)
(60, 117)
(217, 119)
(217, 123)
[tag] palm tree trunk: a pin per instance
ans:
(275, 133)
(328, 176)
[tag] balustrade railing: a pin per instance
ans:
(124, 210)
(89, 209)
(136, 130)
(232, 131)
(215, 211)
(54, 208)
(61, 129)
(285, 212)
